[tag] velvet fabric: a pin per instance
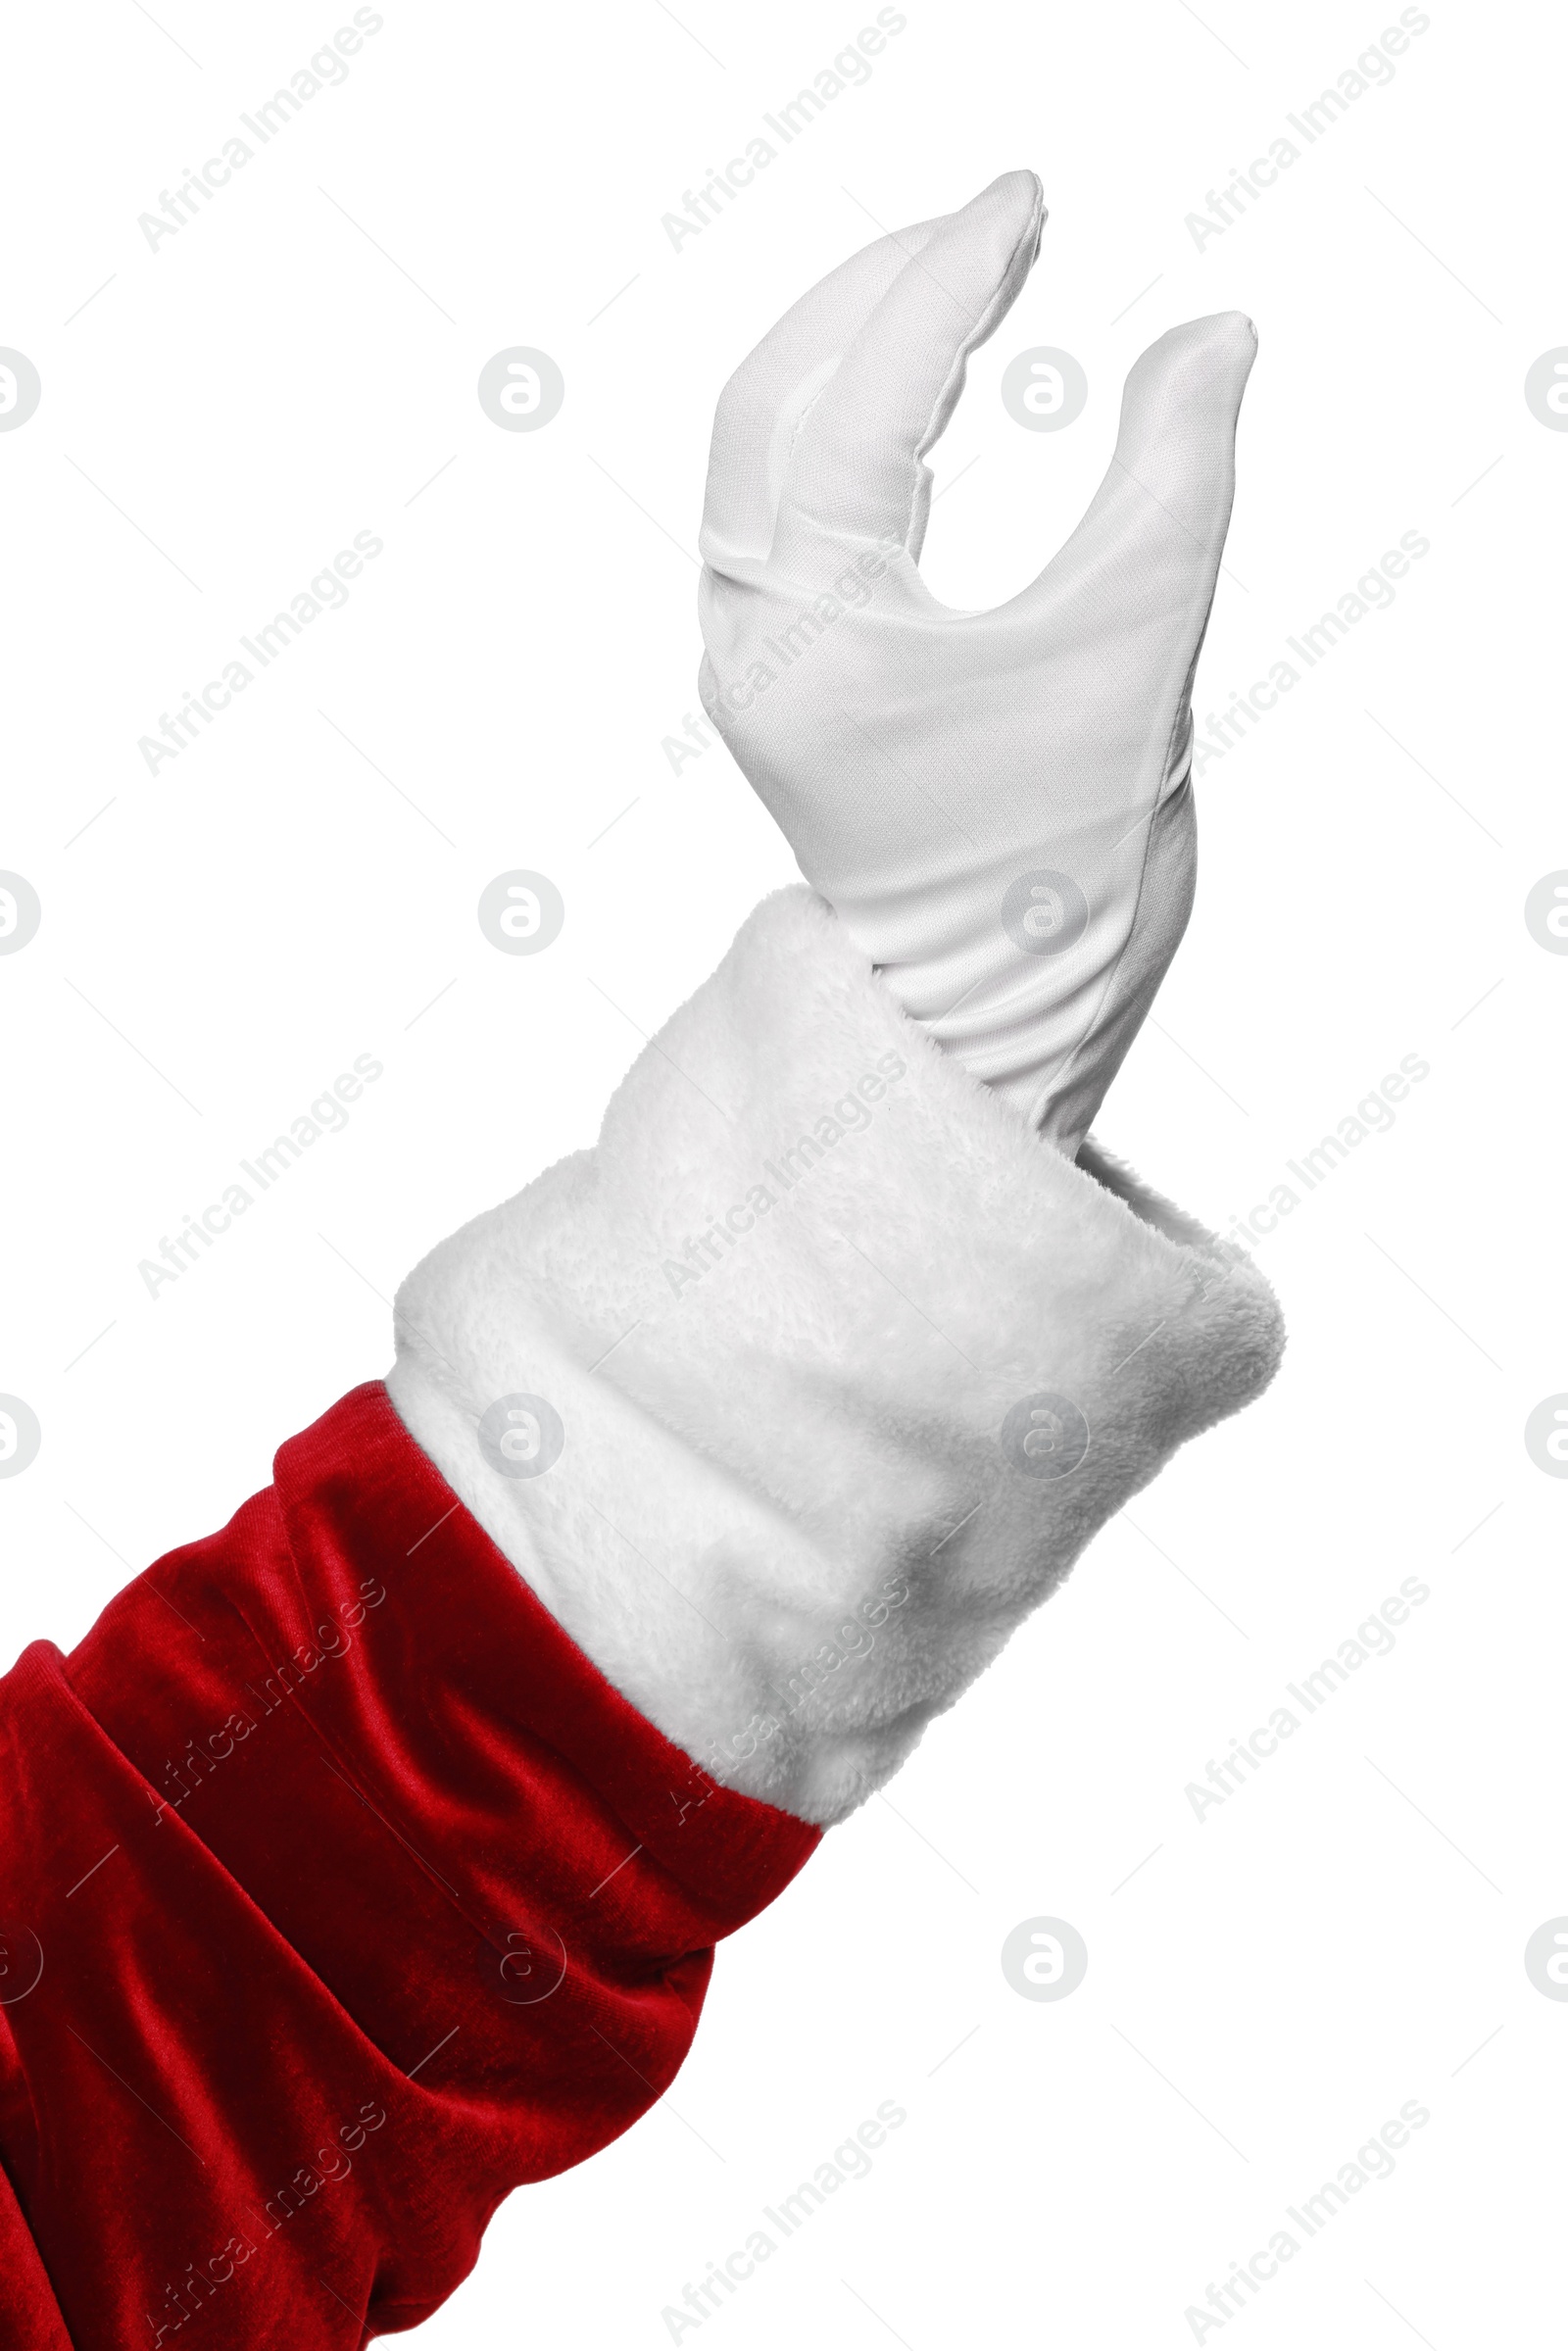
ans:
(340, 1895)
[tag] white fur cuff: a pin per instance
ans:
(799, 1391)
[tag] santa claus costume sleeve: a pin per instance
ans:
(366, 1860)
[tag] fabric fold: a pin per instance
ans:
(341, 1895)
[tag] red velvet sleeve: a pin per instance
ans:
(339, 1895)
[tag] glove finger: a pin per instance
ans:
(855, 472)
(1139, 571)
(761, 405)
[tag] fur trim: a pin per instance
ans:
(847, 1367)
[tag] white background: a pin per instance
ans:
(1346, 1932)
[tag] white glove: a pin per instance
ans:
(996, 804)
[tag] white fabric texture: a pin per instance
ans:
(816, 1375)
(996, 804)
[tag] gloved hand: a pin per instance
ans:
(996, 803)
(796, 1394)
